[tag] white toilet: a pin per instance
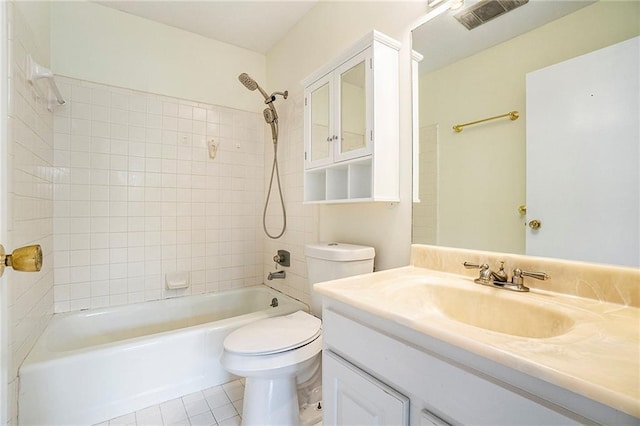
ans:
(280, 357)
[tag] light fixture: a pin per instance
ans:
(438, 8)
(456, 4)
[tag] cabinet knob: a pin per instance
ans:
(535, 224)
(329, 139)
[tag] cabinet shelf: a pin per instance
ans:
(347, 182)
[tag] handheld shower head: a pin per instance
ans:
(269, 115)
(248, 82)
(251, 84)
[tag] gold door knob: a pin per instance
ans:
(535, 224)
(26, 259)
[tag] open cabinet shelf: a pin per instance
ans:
(341, 183)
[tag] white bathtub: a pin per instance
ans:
(97, 364)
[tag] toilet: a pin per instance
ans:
(280, 357)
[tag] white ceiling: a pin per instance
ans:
(258, 25)
(254, 25)
(444, 40)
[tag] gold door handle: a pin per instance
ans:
(535, 224)
(26, 259)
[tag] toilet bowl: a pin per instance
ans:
(274, 355)
(280, 357)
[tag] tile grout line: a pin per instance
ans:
(229, 390)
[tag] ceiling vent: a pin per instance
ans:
(483, 12)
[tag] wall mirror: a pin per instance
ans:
(352, 108)
(475, 186)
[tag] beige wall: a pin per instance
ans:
(325, 32)
(96, 43)
(482, 170)
(328, 30)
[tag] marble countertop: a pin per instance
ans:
(598, 357)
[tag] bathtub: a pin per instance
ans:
(97, 364)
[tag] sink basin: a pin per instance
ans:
(500, 313)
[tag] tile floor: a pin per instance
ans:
(217, 406)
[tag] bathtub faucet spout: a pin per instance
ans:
(276, 275)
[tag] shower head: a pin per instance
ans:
(248, 82)
(269, 115)
(251, 84)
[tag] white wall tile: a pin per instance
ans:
(30, 185)
(136, 193)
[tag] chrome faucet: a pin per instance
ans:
(278, 275)
(500, 279)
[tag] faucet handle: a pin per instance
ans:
(518, 278)
(537, 275)
(485, 272)
(470, 265)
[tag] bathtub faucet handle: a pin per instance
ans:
(282, 258)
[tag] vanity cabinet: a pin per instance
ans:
(440, 390)
(351, 129)
(358, 398)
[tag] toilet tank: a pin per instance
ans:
(330, 261)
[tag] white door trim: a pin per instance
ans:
(4, 134)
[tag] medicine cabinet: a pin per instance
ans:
(351, 129)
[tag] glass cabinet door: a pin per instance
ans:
(352, 109)
(338, 114)
(321, 137)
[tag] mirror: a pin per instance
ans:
(472, 183)
(352, 108)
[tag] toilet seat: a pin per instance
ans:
(274, 346)
(274, 335)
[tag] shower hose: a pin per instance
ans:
(274, 170)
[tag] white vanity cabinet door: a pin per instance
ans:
(352, 397)
(427, 418)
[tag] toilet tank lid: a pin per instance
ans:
(339, 251)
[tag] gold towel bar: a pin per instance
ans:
(513, 115)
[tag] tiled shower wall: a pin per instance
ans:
(29, 302)
(136, 196)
